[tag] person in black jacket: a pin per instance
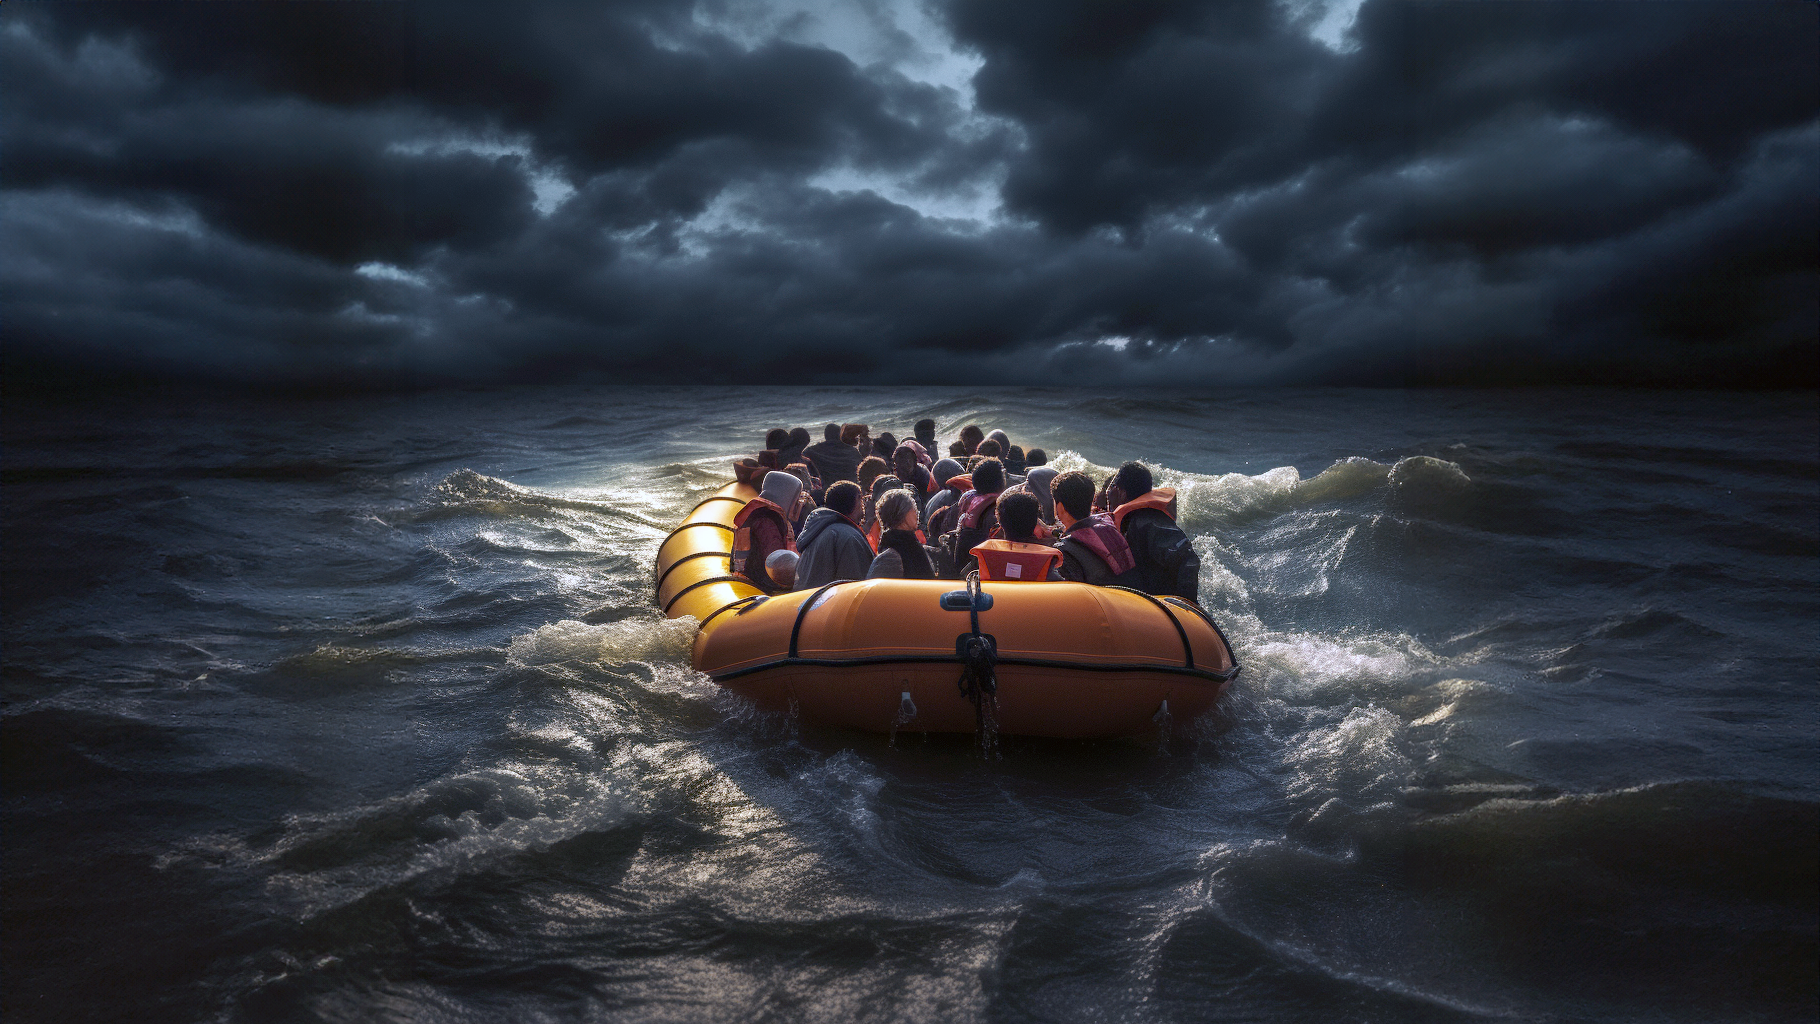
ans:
(1093, 550)
(833, 459)
(1145, 514)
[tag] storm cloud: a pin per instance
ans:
(376, 194)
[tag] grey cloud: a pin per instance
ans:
(366, 194)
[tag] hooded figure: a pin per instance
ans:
(762, 529)
(922, 453)
(831, 546)
(945, 470)
(793, 450)
(1038, 483)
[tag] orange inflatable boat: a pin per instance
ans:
(1029, 659)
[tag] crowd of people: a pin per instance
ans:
(854, 506)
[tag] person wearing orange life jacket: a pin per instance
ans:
(1145, 515)
(1020, 556)
(1093, 550)
(975, 516)
(763, 527)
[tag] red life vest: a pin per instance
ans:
(1010, 560)
(742, 536)
(975, 507)
(1097, 534)
(1162, 499)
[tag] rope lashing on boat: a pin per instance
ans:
(979, 660)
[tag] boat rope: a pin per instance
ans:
(979, 677)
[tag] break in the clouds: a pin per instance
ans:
(979, 190)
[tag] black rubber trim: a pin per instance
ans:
(671, 603)
(1208, 619)
(728, 555)
(1187, 647)
(753, 601)
(715, 497)
(911, 659)
(803, 610)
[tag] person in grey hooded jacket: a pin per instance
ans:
(831, 546)
(945, 470)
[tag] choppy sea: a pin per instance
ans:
(357, 709)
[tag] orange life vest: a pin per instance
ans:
(1010, 560)
(742, 536)
(1162, 499)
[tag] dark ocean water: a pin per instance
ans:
(356, 709)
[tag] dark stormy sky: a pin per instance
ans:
(1289, 191)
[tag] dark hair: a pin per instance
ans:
(1074, 492)
(1018, 513)
(1036, 457)
(1134, 479)
(889, 438)
(957, 449)
(799, 437)
(842, 497)
(802, 471)
(989, 477)
(884, 446)
(925, 427)
(972, 430)
(1015, 452)
(989, 448)
(776, 438)
(831, 432)
(869, 469)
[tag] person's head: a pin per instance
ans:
(1003, 439)
(869, 469)
(1017, 514)
(799, 437)
(781, 567)
(958, 450)
(843, 497)
(903, 462)
(781, 489)
(971, 436)
(831, 432)
(890, 440)
(885, 482)
(897, 510)
(1015, 452)
(1073, 497)
(1036, 457)
(854, 434)
(989, 477)
(990, 449)
(925, 432)
(1132, 481)
(946, 470)
(800, 470)
(776, 438)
